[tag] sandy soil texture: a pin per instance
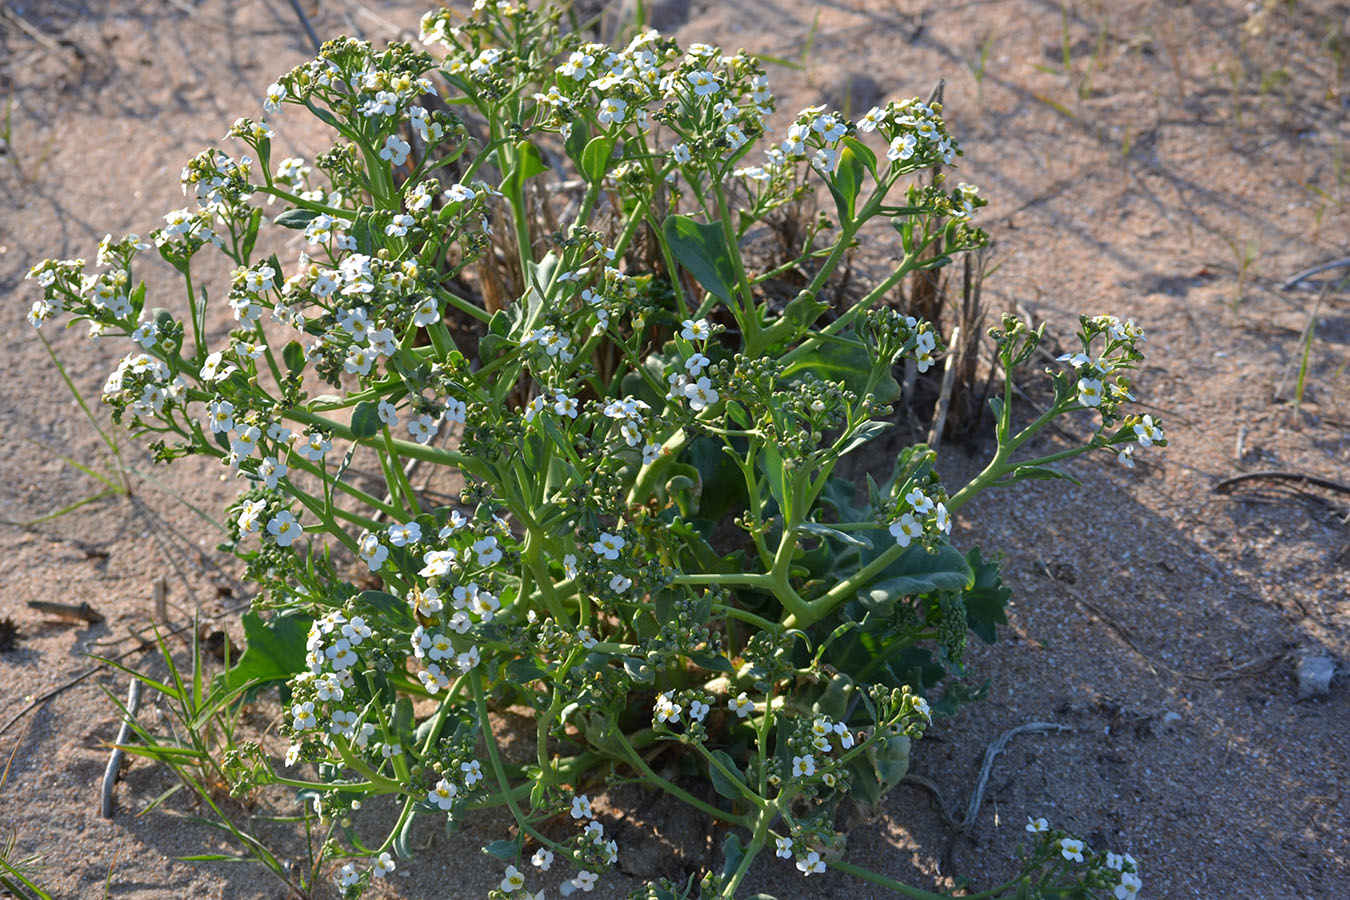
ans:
(1170, 163)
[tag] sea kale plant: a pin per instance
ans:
(528, 275)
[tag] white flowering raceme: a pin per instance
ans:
(572, 452)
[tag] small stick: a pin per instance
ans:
(1315, 270)
(945, 398)
(123, 735)
(1225, 486)
(309, 29)
(1239, 450)
(977, 797)
(84, 611)
(161, 603)
(27, 28)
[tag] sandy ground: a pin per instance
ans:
(1189, 159)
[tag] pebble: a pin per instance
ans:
(1314, 676)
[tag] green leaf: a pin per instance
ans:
(845, 361)
(638, 670)
(528, 163)
(387, 605)
(577, 140)
(848, 176)
(917, 572)
(1039, 473)
(986, 599)
(863, 153)
(595, 158)
(366, 420)
(502, 849)
(296, 218)
(712, 662)
(866, 432)
(721, 783)
(702, 250)
(833, 534)
(274, 649)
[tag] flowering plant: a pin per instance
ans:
(652, 549)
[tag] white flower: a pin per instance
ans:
(620, 583)
(921, 707)
(1126, 457)
(612, 109)
(1089, 392)
(696, 330)
(542, 859)
(427, 313)
(586, 881)
(407, 533)
(680, 153)
(314, 447)
(803, 766)
(383, 865)
(272, 100)
(248, 515)
(399, 225)
(701, 394)
(467, 660)
(906, 529)
(488, 551)
(347, 875)
(458, 193)
(919, 501)
(1071, 849)
(395, 150)
(871, 119)
(667, 710)
(1036, 826)
(697, 710)
(811, 864)
(741, 705)
(285, 528)
(513, 881)
(423, 428)
(608, 545)
(443, 794)
(943, 519)
(433, 678)
(784, 845)
(1129, 886)
(705, 83)
(271, 471)
(902, 147)
(303, 716)
(1147, 432)
(1114, 861)
(581, 808)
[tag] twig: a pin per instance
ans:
(1315, 270)
(945, 397)
(84, 611)
(1225, 486)
(38, 701)
(1239, 446)
(123, 735)
(161, 604)
(1243, 670)
(27, 28)
(991, 753)
(304, 22)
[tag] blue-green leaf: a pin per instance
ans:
(274, 649)
(917, 572)
(702, 250)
